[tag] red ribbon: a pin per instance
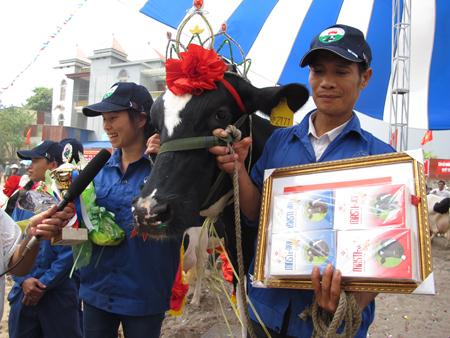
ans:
(235, 94)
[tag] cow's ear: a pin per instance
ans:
(295, 94)
(265, 99)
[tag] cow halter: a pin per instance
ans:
(183, 77)
(235, 95)
(199, 142)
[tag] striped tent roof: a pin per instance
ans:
(276, 33)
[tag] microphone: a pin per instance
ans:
(80, 183)
(85, 177)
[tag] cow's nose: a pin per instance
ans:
(161, 212)
(160, 208)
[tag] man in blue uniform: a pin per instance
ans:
(45, 302)
(339, 61)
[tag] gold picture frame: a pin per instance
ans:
(401, 168)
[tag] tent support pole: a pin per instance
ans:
(400, 73)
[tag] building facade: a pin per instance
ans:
(82, 81)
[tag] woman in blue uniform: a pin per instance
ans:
(128, 284)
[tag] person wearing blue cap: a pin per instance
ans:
(339, 69)
(45, 156)
(13, 243)
(37, 298)
(131, 283)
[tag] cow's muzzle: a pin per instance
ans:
(150, 215)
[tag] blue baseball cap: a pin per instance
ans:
(346, 41)
(122, 96)
(50, 150)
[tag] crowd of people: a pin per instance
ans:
(130, 284)
(13, 176)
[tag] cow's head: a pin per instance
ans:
(179, 182)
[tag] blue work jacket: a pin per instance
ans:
(288, 147)
(52, 265)
(134, 278)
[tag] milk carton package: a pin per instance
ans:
(371, 206)
(312, 210)
(295, 254)
(382, 252)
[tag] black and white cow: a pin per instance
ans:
(175, 193)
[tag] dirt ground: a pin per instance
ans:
(397, 316)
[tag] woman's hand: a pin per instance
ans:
(33, 290)
(153, 144)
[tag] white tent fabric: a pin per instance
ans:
(276, 33)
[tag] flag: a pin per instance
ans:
(428, 137)
(28, 136)
(394, 137)
(426, 167)
(161, 56)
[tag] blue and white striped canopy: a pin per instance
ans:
(276, 33)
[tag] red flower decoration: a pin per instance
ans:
(197, 70)
(198, 4)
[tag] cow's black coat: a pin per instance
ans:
(180, 181)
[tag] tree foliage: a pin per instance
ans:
(41, 101)
(428, 154)
(12, 130)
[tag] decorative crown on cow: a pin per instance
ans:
(196, 66)
(205, 92)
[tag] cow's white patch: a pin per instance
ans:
(153, 192)
(147, 203)
(173, 105)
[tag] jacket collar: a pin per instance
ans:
(116, 157)
(353, 126)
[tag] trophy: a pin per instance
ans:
(71, 234)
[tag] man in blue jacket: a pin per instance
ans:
(45, 302)
(339, 61)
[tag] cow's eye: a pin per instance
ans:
(221, 115)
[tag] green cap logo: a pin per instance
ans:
(67, 153)
(109, 92)
(331, 35)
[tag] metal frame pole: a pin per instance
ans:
(400, 70)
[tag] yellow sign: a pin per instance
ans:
(282, 115)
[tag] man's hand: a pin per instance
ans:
(328, 292)
(153, 144)
(33, 290)
(225, 160)
(49, 223)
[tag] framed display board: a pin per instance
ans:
(366, 216)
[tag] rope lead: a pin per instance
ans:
(235, 134)
(325, 324)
